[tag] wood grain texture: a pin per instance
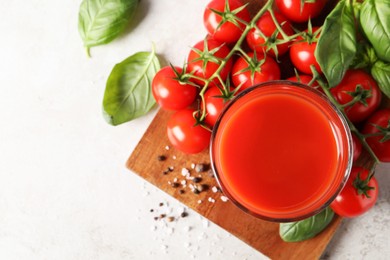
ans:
(261, 235)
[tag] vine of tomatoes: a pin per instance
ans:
(279, 42)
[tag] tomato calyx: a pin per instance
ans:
(311, 35)
(183, 77)
(230, 15)
(360, 94)
(361, 185)
(382, 131)
(254, 64)
(207, 55)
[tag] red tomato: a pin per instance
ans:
(267, 26)
(379, 123)
(294, 12)
(358, 82)
(205, 58)
(356, 147)
(184, 135)
(349, 203)
(260, 69)
(302, 53)
(221, 27)
(169, 92)
(215, 102)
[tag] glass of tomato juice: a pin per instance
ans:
(281, 151)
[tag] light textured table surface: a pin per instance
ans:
(64, 190)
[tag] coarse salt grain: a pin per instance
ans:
(214, 189)
(174, 157)
(211, 200)
(183, 182)
(192, 165)
(185, 172)
(167, 147)
(224, 198)
(175, 180)
(199, 201)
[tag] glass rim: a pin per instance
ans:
(348, 159)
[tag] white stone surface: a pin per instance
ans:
(64, 190)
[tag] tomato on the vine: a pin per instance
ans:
(377, 129)
(185, 134)
(294, 11)
(356, 147)
(205, 58)
(259, 68)
(220, 19)
(272, 41)
(361, 92)
(215, 101)
(358, 195)
(302, 51)
(168, 90)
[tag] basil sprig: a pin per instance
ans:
(101, 21)
(375, 22)
(307, 228)
(128, 93)
(336, 47)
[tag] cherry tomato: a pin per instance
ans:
(294, 12)
(261, 68)
(302, 53)
(349, 203)
(215, 102)
(184, 135)
(267, 26)
(205, 58)
(222, 28)
(356, 147)
(358, 83)
(379, 123)
(169, 92)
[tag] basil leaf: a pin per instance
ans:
(128, 93)
(375, 22)
(101, 21)
(380, 71)
(336, 46)
(307, 228)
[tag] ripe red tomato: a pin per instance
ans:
(169, 92)
(302, 53)
(221, 27)
(358, 83)
(379, 123)
(261, 68)
(294, 12)
(184, 135)
(215, 102)
(349, 203)
(205, 58)
(267, 26)
(356, 147)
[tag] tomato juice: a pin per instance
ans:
(281, 151)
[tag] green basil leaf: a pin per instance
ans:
(381, 73)
(336, 47)
(307, 228)
(101, 21)
(128, 93)
(375, 22)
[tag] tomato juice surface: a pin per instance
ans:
(281, 151)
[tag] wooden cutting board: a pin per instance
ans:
(259, 234)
